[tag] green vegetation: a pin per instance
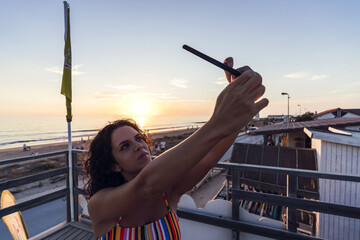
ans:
(308, 116)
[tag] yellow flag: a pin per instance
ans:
(66, 80)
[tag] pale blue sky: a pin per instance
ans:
(128, 54)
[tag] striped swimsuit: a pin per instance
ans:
(166, 228)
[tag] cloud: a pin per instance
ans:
(125, 87)
(318, 77)
(107, 95)
(353, 84)
(181, 83)
(297, 75)
(221, 81)
(59, 70)
(334, 91)
(306, 76)
(130, 96)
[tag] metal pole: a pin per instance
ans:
(71, 184)
(288, 118)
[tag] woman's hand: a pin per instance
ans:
(236, 105)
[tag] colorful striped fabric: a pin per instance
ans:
(166, 228)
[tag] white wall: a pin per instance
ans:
(325, 116)
(350, 115)
(338, 158)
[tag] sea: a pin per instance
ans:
(38, 130)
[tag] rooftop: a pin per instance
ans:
(299, 126)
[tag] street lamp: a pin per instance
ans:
(300, 108)
(288, 115)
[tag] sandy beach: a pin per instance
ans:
(17, 152)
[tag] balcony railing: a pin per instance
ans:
(290, 201)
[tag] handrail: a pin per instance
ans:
(35, 201)
(240, 225)
(23, 159)
(32, 178)
(291, 171)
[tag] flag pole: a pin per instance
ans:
(67, 92)
(71, 183)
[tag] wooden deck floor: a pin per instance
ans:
(68, 231)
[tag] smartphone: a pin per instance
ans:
(212, 60)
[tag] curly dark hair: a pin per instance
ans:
(98, 166)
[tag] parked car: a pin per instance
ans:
(251, 129)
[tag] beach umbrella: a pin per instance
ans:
(67, 92)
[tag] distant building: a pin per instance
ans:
(276, 117)
(292, 134)
(338, 113)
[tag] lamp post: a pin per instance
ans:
(288, 115)
(300, 108)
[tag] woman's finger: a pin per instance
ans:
(257, 93)
(261, 104)
(246, 76)
(253, 82)
(230, 62)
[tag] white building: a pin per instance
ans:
(338, 151)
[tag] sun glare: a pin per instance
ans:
(141, 107)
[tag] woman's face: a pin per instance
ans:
(130, 151)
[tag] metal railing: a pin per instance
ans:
(290, 201)
(48, 196)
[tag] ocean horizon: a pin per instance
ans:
(17, 131)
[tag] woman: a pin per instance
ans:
(134, 196)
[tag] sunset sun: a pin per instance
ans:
(141, 107)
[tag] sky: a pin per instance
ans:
(128, 59)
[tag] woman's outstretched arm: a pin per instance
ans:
(199, 171)
(235, 106)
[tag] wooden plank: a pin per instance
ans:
(59, 233)
(357, 203)
(83, 226)
(320, 156)
(336, 193)
(333, 189)
(88, 236)
(352, 191)
(69, 234)
(347, 221)
(326, 197)
(82, 234)
(343, 228)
